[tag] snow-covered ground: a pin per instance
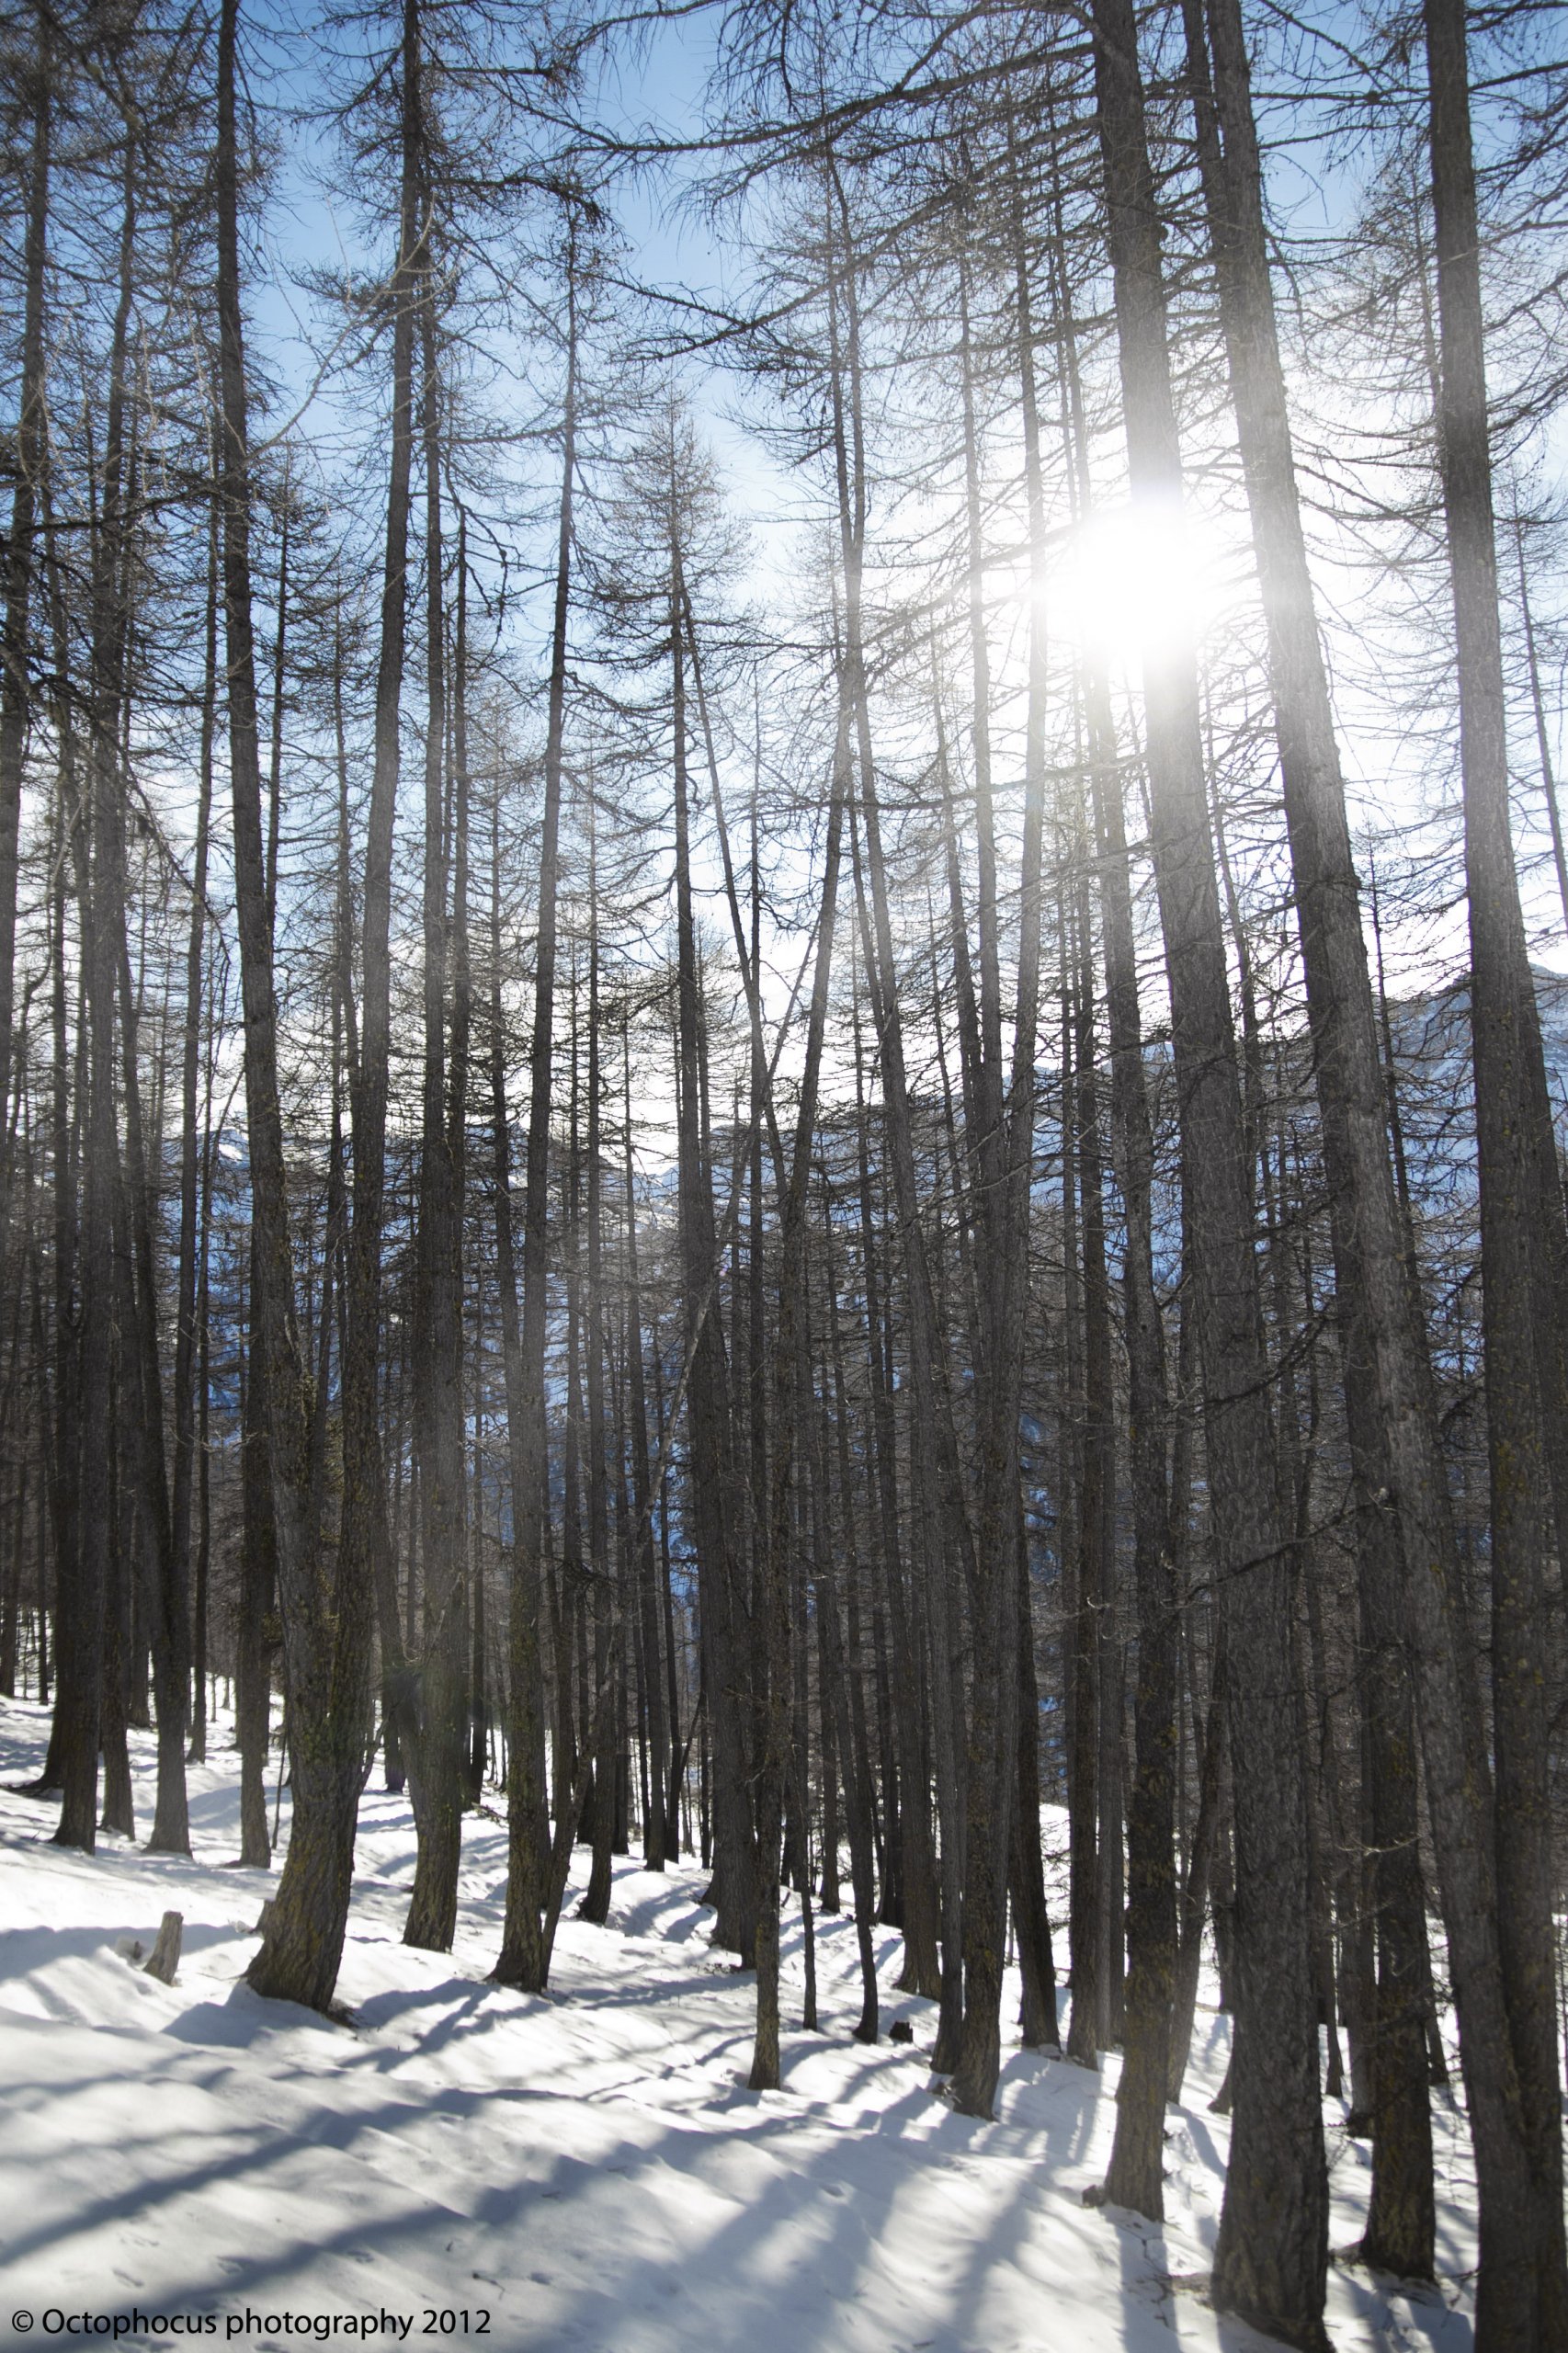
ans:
(583, 2171)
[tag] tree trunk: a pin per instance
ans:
(790, 1390)
(29, 459)
(1523, 2290)
(326, 1634)
(435, 1757)
(83, 1662)
(189, 1325)
(710, 1448)
(524, 1958)
(1271, 2257)
(606, 1601)
(1375, 1281)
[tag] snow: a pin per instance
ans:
(583, 2171)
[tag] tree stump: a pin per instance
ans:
(164, 1959)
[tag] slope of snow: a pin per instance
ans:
(583, 2171)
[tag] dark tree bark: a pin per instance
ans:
(65, 1503)
(1196, 1878)
(1096, 1499)
(1005, 1108)
(946, 1528)
(164, 1590)
(606, 1600)
(838, 1669)
(525, 1956)
(1523, 2291)
(254, 1644)
(660, 1826)
(906, 1800)
(29, 457)
(435, 1757)
(1080, 1649)
(325, 1632)
(365, 1562)
(1038, 2021)
(1136, 2157)
(791, 1361)
(83, 1663)
(1384, 1345)
(1271, 2257)
(190, 1326)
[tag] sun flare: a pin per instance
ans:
(1140, 580)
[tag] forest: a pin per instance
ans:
(785, 1066)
